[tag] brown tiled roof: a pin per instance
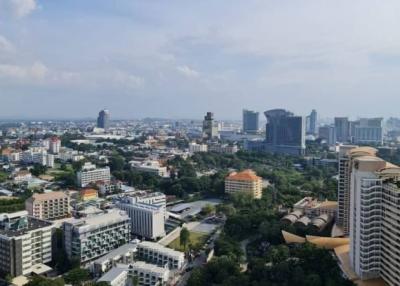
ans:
(49, 196)
(246, 175)
(88, 192)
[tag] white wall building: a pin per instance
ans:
(152, 167)
(160, 255)
(194, 147)
(91, 174)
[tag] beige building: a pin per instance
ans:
(48, 206)
(244, 182)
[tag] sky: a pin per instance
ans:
(179, 59)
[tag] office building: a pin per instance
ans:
(25, 244)
(147, 275)
(147, 220)
(327, 133)
(311, 123)
(374, 216)
(285, 133)
(103, 120)
(246, 182)
(91, 174)
(342, 129)
(210, 128)
(368, 131)
(48, 206)
(89, 238)
(250, 121)
(158, 254)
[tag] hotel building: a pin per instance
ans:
(244, 182)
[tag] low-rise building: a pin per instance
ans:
(48, 206)
(88, 194)
(246, 182)
(195, 148)
(91, 174)
(152, 167)
(160, 255)
(89, 238)
(25, 243)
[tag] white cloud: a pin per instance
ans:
(127, 80)
(188, 72)
(37, 71)
(5, 45)
(22, 8)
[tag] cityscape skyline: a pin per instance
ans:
(148, 58)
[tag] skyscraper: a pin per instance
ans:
(285, 133)
(103, 120)
(312, 122)
(327, 132)
(250, 121)
(210, 128)
(342, 127)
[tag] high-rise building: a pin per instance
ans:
(48, 206)
(327, 133)
(342, 129)
(343, 218)
(285, 133)
(25, 243)
(210, 128)
(374, 216)
(311, 121)
(246, 182)
(103, 120)
(91, 237)
(250, 121)
(367, 131)
(91, 174)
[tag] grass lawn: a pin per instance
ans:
(197, 240)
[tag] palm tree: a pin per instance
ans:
(184, 237)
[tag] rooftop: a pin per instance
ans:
(48, 196)
(33, 224)
(246, 175)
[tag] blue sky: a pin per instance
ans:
(179, 59)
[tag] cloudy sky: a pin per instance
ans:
(179, 59)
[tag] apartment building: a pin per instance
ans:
(91, 237)
(374, 215)
(158, 254)
(147, 220)
(91, 174)
(48, 206)
(195, 148)
(152, 167)
(246, 182)
(25, 243)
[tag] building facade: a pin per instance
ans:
(89, 238)
(210, 128)
(91, 174)
(246, 182)
(103, 120)
(368, 131)
(48, 206)
(342, 129)
(25, 242)
(160, 255)
(250, 121)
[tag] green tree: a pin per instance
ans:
(184, 238)
(77, 276)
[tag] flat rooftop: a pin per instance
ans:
(33, 224)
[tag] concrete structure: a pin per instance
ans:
(368, 131)
(328, 134)
(342, 129)
(103, 120)
(311, 123)
(91, 237)
(285, 133)
(48, 206)
(25, 243)
(250, 121)
(147, 275)
(146, 220)
(152, 167)
(160, 255)
(194, 147)
(91, 174)
(222, 148)
(54, 145)
(210, 128)
(88, 194)
(244, 182)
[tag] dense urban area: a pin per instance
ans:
(285, 200)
